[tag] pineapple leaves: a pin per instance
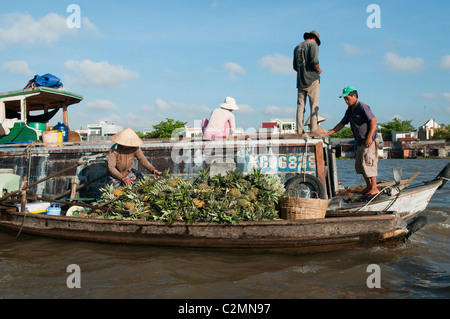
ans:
(228, 198)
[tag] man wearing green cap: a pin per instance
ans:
(306, 64)
(364, 127)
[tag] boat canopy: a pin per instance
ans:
(35, 99)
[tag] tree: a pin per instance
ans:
(442, 133)
(346, 132)
(395, 125)
(163, 129)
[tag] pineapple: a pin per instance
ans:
(250, 194)
(235, 192)
(198, 203)
(172, 182)
(203, 187)
(117, 191)
(226, 198)
(243, 202)
(202, 178)
(130, 205)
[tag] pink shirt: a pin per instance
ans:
(218, 119)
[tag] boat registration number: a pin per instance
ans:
(279, 163)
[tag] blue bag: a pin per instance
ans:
(47, 80)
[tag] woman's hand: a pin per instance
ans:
(127, 181)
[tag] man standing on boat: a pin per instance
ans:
(364, 127)
(121, 157)
(306, 64)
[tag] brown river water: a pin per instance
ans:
(34, 267)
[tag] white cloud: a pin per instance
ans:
(162, 109)
(431, 96)
(391, 116)
(233, 69)
(394, 62)
(446, 96)
(87, 25)
(24, 29)
(245, 109)
(101, 105)
(445, 62)
(273, 110)
(277, 63)
(353, 50)
(100, 73)
(18, 67)
(428, 96)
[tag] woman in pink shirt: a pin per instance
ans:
(221, 122)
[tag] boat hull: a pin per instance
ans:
(282, 235)
(408, 204)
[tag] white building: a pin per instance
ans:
(403, 134)
(286, 126)
(102, 130)
(427, 130)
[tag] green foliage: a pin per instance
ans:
(228, 198)
(442, 133)
(164, 129)
(346, 132)
(395, 125)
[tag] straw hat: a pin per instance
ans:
(313, 33)
(230, 104)
(127, 137)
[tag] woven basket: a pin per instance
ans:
(295, 207)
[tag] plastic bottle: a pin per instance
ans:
(64, 129)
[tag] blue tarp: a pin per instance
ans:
(47, 80)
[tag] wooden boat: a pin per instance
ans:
(300, 236)
(407, 202)
(303, 162)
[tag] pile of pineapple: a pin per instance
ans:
(228, 198)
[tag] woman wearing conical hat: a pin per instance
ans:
(121, 158)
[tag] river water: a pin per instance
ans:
(33, 267)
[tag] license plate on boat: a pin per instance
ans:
(278, 163)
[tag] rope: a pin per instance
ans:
(303, 159)
(374, 198)
(21, 226)
(28, 150)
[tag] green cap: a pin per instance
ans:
(347, 90)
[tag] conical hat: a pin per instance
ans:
(127, 137)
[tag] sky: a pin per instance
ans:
(138, 62)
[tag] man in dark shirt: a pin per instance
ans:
(363, 124)
(306, 64)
